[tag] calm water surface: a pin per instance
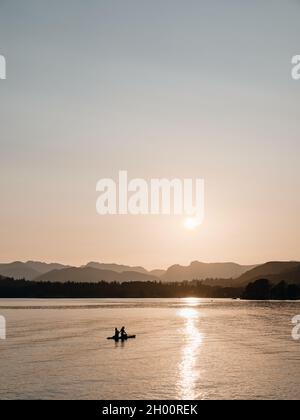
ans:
(185, 349)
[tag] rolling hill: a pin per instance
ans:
(274, 271)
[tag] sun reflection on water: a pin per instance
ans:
(188, 372)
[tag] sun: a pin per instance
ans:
(191, 223)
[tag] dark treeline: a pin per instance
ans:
(10, 288)
(264, 290)
(259, 290)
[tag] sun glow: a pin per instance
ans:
(191, 223)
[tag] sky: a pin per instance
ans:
(160, 88)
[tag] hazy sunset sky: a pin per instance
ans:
(161, 88)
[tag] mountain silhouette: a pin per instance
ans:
(201, 271)
(42, 267)
(92, 275)
(18, 270)
(274, 271)
(115, 267)
(213, 274)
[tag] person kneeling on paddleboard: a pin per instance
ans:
(117, 334)
(123, 333)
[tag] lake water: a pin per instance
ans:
(185, 349)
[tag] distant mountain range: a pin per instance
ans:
(217, 274)
(42, 267)
(93, 275)
(116, 267)
(28, 270)
(200, 271)
(18, 270)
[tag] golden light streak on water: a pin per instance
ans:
(188, 372)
